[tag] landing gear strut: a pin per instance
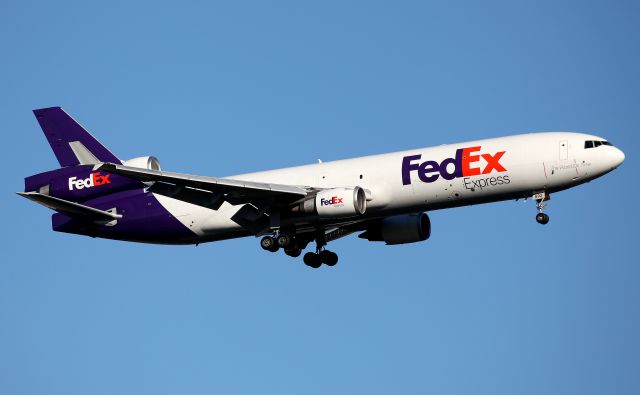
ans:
(541, 217)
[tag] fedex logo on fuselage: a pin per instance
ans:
(95, 179)
(329, 202)
(465, 164)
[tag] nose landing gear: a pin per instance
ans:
(542, 218)
(540, 198)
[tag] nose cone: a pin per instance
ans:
(617, 157)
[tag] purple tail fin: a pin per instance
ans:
(70, 142)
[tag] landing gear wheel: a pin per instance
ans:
(268, 243)
(284, 240)
(540, 198)
(293, 252)
(327, 257)
(312, 260)
(542, 218)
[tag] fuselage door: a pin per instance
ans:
(564, 150)
(564, 170)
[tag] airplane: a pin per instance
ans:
(385, 198)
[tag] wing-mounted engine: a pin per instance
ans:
(144, 162)
(399, 229)
(334, 203)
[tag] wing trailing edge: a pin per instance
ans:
(207, 191)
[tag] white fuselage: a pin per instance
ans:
(429, 178)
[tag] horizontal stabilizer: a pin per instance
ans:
(71, 208)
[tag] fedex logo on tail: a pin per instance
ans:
(465, 164)
(95, 179)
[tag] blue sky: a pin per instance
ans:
(493, 303)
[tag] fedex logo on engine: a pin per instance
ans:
(95, 179)
(332, 201)
(465, 164)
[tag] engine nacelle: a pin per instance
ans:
(400, 229)
(144, 162)
(335, 203)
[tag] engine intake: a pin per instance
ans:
(400, 229)
(334, 203)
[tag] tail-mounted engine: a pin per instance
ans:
(143, 162)
(334, 203)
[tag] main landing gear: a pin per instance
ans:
(293, 248)
(322, 255)
(274, 243)
(268, 243)
(282, 240)
(315, 260)
(540, 198)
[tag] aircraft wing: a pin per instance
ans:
(208, 192)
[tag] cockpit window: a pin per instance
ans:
(595, 143)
